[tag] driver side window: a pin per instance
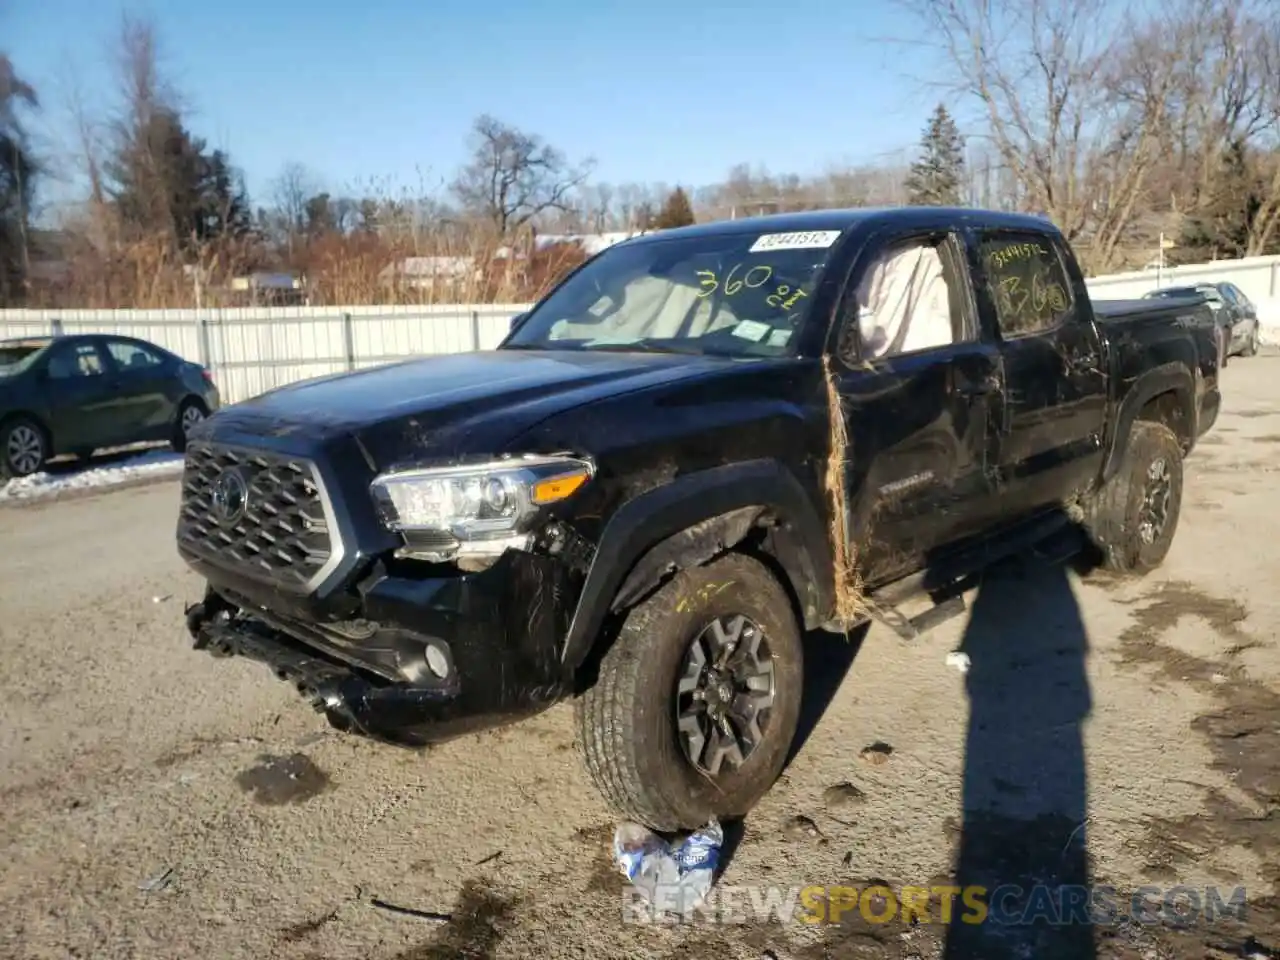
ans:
(907, 300)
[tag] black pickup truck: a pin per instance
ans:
(699, 445)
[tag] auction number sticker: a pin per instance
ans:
(809, 240)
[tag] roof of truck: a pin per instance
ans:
(844, 219)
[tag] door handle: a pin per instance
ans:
(1080, 363)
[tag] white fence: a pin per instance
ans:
(251, 350)
(254, 349)
(1258, 277)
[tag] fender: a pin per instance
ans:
(1164, 378)
(731, 498)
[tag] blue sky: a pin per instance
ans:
(384, 92)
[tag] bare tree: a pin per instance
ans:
(142, 95)
(1070, 111)
(291, 192)
(513, 176)
(1265, 223)
(17, 176)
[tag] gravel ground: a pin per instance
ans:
(1115, 733)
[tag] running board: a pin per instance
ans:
(943, 578)
(912, 628)
(1050, 539)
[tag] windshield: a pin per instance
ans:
(17, 357)
(739, 294)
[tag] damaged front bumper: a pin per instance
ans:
(420, 660)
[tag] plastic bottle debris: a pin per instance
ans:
(674, 877)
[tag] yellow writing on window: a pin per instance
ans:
(757, 276)
(1014, 252)
(1042, 297)
(782, 296)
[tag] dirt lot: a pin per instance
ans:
(1122, 734)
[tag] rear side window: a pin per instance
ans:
(1026, 281)
(133, 356)
(78, 360)
(1229, 292)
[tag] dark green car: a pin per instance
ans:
(77, 394)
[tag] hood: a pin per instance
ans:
(453, 404)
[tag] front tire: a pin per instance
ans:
(652, 728)
(1133, 518)
(24, 448)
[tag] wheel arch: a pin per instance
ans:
(1165, 394)
(195, 398)
(759, 507)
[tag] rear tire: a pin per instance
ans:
(24, 448)
(190, 414)
(1133, 518)
(628, 724)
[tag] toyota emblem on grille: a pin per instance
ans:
(230, 496)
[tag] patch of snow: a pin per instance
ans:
(149, 464)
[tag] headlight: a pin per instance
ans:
(475, 510)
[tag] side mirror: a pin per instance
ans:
(518, 320)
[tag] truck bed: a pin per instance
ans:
(1115, 311)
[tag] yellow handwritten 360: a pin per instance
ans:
(782, 296)
(710, 283)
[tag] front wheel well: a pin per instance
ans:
(754, 531)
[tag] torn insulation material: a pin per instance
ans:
(851, 603)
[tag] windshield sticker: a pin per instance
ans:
(779, 338)
(752, 330)
(808, 240)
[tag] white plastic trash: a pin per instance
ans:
(671, 877)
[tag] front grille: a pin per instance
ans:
(258, 513)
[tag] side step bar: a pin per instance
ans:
(1052, 539)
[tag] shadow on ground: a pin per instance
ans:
(1023, 837)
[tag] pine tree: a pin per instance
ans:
(1222, 226)
(677, 211)
(936, 177)
(165, 182)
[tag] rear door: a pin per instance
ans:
(144, 381)
(1049, 440)
(916, 383)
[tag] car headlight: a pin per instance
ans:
(477, 510)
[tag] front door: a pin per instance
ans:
(79, 396)
(917, 387)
